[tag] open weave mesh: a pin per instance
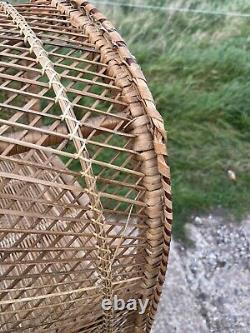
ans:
(85, 198)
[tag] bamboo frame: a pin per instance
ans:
(85, 197)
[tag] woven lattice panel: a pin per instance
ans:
(85, 204)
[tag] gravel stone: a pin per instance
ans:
(207, 287)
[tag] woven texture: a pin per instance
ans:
(85, 197)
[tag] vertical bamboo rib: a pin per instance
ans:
(82, 154)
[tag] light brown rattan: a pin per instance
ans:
(85, 197)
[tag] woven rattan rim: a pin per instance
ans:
(122, 66)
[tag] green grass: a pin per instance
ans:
(198, 68)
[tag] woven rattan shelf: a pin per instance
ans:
(85, 203)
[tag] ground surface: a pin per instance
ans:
(207, 288)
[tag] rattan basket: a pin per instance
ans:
(85, 203)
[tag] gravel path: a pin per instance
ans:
(207, 287)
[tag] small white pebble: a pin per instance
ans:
(198, 220)
(231, 175)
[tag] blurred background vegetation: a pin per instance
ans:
(198, 68)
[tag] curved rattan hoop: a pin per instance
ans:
(85, 197)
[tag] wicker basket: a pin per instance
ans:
(85, 203)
